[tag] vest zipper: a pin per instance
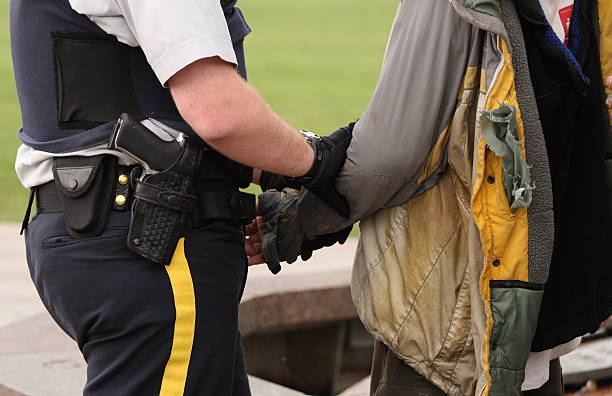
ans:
(498, 70)
(484, 305)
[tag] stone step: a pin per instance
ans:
(590, 361)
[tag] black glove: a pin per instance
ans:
(282, 233)
(281, 230)
(272, 181)
(330, 154)
(321, 241)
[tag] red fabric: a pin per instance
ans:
(565, 14)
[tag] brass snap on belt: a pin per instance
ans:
(48, 198)
(122, 189)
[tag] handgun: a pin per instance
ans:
(163, 194)
(140, 143)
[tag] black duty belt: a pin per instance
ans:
(230, 205)
(87, 189)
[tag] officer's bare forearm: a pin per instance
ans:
(234, 119)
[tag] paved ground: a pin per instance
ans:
(18, 298)
(37, 359)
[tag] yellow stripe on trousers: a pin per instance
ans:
(175, 374)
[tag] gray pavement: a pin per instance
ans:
(361, 388)
(18, 298)
(37, 359)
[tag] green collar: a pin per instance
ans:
(488, 7)
(485, 14)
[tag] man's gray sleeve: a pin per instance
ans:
(414, 101)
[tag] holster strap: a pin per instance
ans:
(224, 205)
(164, 197)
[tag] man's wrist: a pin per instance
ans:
(311, 139)
(257, 176)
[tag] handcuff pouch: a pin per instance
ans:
(85, 189)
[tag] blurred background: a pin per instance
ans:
(316, 62)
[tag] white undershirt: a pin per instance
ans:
(33, 167)
(558, 13)
(537, 368)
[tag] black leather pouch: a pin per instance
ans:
(86, 186)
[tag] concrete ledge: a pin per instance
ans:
(302, 294)
(361, 388)
(8, 392)
(590, 361)
(288, 311)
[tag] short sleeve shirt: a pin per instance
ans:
(171, 34)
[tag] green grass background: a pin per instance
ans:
(315, 61)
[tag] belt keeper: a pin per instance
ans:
(123, 185)
(243, 205)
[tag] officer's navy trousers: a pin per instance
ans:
(144, 328)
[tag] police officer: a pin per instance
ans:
(144, 326)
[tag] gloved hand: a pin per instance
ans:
(272, 181)
(330, 154)
(279, 228)
(321, 241)
(278, 234)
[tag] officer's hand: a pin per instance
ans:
(330, 154)
(609, 100)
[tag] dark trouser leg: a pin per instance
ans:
(392, 377)
(378, 365)
(554, 385)
(241, 381)
(145, 329)
(219, 270)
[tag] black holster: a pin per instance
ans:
(162, 204)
